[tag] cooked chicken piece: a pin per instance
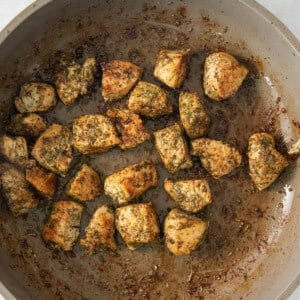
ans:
(130, 182)
(191, 195)
(223, 75)
(193, 116)
(130, 127)
(137, 224)
(63, 225)
(265, 162)
(183, 232)
(16, 190)
(14, 149)
(100, 233)
(94, 134)
(29, 124)
(171, 67)
(149, 100)
(172, 148)
(295, 148)
(35, 97)
(74, 80)
(216, 157)
(118, 78)
(53, 149)
(44, 182)
(85, 185)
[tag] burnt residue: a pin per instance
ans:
(241, 218)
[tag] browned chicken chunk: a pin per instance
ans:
(118, 78)
(130, 127)
(100, 233)
(172, 148)
(85, 185)
(62, 227)
(216, 157)
(191, 195)
(183, 233)
(193, 116)
(171, 67)
(223, 75)
(53, 149)
(94, 134)
(265, 162)
(44, 182)
(74, 80)
(29, 124)
(137, 224)
(35, 97)
(130, 182)
(16, 190)
(149, 100)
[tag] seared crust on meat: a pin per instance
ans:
(172, 148)
(130, 127)
(137, 224)
(265, 162)
(53, 149)
(62, 226)
(130, 182)
(171, 67)
(118, 78)
(216, 157)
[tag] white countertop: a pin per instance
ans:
(288, 11)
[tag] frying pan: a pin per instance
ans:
(252, 249)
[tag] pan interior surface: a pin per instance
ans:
(252, 235)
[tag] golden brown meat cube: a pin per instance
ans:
(53, 149)
(191, 195)
(137, 224)
(193, 116)
(184, 233)
(28, 124)
(16, 190)
(171, 67)
(100, 233)
(74, 80)
(35, 97)
(62, 226)
(14, 149)
(130, 127)
(216, 157)
(223, 75)
(118, 78)
(85, 185)
(265, 162)
(44, 182)
(94, 134)
(149, 100)
(172, 148)
(130, 182)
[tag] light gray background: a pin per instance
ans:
(288, 11)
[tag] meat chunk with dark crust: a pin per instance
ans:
(94, 134)
(172, 148)
(216, 157)
(53, 149)
(137, 224)
(265, 162)
(85, 185)
(184, 233)
(118, 78)
(100, 233)
(129, 126)
(62, 227)
(130, 182)
(149, 100)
